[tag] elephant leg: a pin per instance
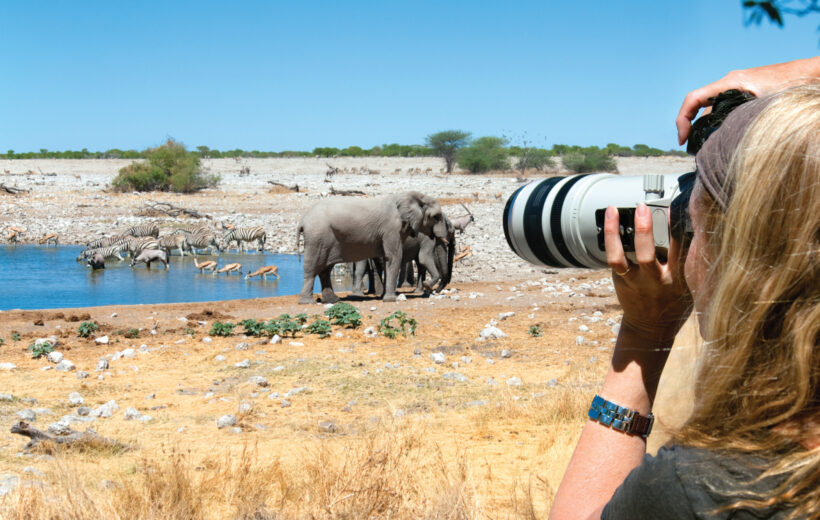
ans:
(411, 279)
(359, 269)
(391, 271)
(328, 296)
(422, 274)
(429, 263)
(376, 277)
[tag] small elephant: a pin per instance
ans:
(150, 255)
(97, 261)
(349, 230)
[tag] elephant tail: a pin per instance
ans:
(299, 231)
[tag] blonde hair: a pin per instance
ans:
(758, 385)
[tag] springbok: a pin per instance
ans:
(207, 265)
(231, 268)
(17, 229)
(12, 236)
(49, 238)
(264, 272)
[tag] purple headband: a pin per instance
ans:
(712, 161)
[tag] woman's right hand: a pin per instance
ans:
(653, 295)
(759, 81)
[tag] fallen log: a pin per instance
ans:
(153, 208)
(346, 193)
(294, 188)
(463, 254)
(87, 440)
(14, 190)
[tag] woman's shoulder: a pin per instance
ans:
(688, 482)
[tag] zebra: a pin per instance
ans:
(137, 244)
(169, 242)
(202, 240)
(106, 241)
(106, 252)
(242, 235)
(150, 229)
(192, 229)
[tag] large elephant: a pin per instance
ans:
(430, 253)
(349, 230)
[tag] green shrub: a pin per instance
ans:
(320, 327)
(589, 160)
(404, 325)
(253, 327)
(484, 154)
(446, 145)
(2, 341)
(15, 336)
(87, 328)
(537, 158)
(284, 324)
(344, 315)
(535, 331)
(43, 349)
(167, 168)
(131, 333)
(222, 328)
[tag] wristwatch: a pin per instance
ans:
(620, 418)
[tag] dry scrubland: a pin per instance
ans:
(376, 428)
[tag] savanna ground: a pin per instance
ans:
(379, 432)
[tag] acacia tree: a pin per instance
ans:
(445, 145)
(774, 10)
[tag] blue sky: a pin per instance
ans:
(297, 75)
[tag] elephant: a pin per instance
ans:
(349, 230)
(429, 253)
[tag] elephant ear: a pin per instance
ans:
(411, 213)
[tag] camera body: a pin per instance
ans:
(558, 221)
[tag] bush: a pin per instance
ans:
(131, 333)
(15, 336)
(344, 315)
(2, 341)
(320, 327)
(484, 154)
(220, 328)
(167, 168)
(537, 158)
(589, 160)
(43, 349)
(446, 145)
(535, 331)
(391, 330)
(87, 328)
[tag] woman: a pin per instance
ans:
(751, 448)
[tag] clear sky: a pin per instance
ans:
(296, 75)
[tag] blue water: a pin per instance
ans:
(39, 277)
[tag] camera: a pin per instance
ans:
(559, 221)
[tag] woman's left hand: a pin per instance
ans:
(653, 295)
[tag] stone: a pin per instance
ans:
(490, 361)
(328, 427)
(60, 427)
(83, 411)
(8, 366)
(75, 398)
(242, 346)
(132, 414)
(514, 381)
(504, 315)
(55, 357)
(102, 340)
(401, 298)
(552, 382)
(258, 380)
(583, 328)
(226, 421)
(245, 407)
(6, 397)
(454, 376)
(371, 332)
(278, 368)
(245, 363)
(206, 339)
(296, 344)
(616, 328)
(506, 353)
(128, 353)
(285, 403)
(466, 360)
(479, 402)
(27, 415)
(235, 430)
(491, 333)
(102, 364)
(297, 390)
(273, 395)
(276, 339)
(105, 410)
(580, 340)
(438, 357)
(219, 357)
(8, 483)
(65, 366)
(114, 314)
(82, 374)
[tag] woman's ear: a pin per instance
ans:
(410, 211)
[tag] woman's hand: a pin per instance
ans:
(759, 81)
(653, 295)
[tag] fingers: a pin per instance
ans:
(645, 242)
(692, 103)
(615, 256)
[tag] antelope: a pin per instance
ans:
(264, 272)
(51, 237)
(207, 265)
(231, 268)
(12, 236)
(461, 223)
(17, 229)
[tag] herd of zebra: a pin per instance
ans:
(191, 239)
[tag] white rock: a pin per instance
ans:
(580, 340)
(102, 364)
(583, 328)
(55, 357)
(296, 344)
(616, 328)
(75, 398)
(106, 410)
(275, 340)
(113, 314)
(8, 366)
(242, 346)
(245, 363)
(226, 421)
(504, 315)
(128, 353)
(206, 339)
(371, 332)
(491, 332)
(65, 366)
(514, 381)
(27, 415)
(219, 357)
(102, 340)
(258, 380)
(438, 357)
(132, 414)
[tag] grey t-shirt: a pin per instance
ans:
(683, 482)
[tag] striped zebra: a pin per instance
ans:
(192, 229)
(150, 229)
(174, 241)
(202, 240)
(137, 244)
(106, 252)
(243, 235)
(106, 241)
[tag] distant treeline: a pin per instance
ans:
(386, 150)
